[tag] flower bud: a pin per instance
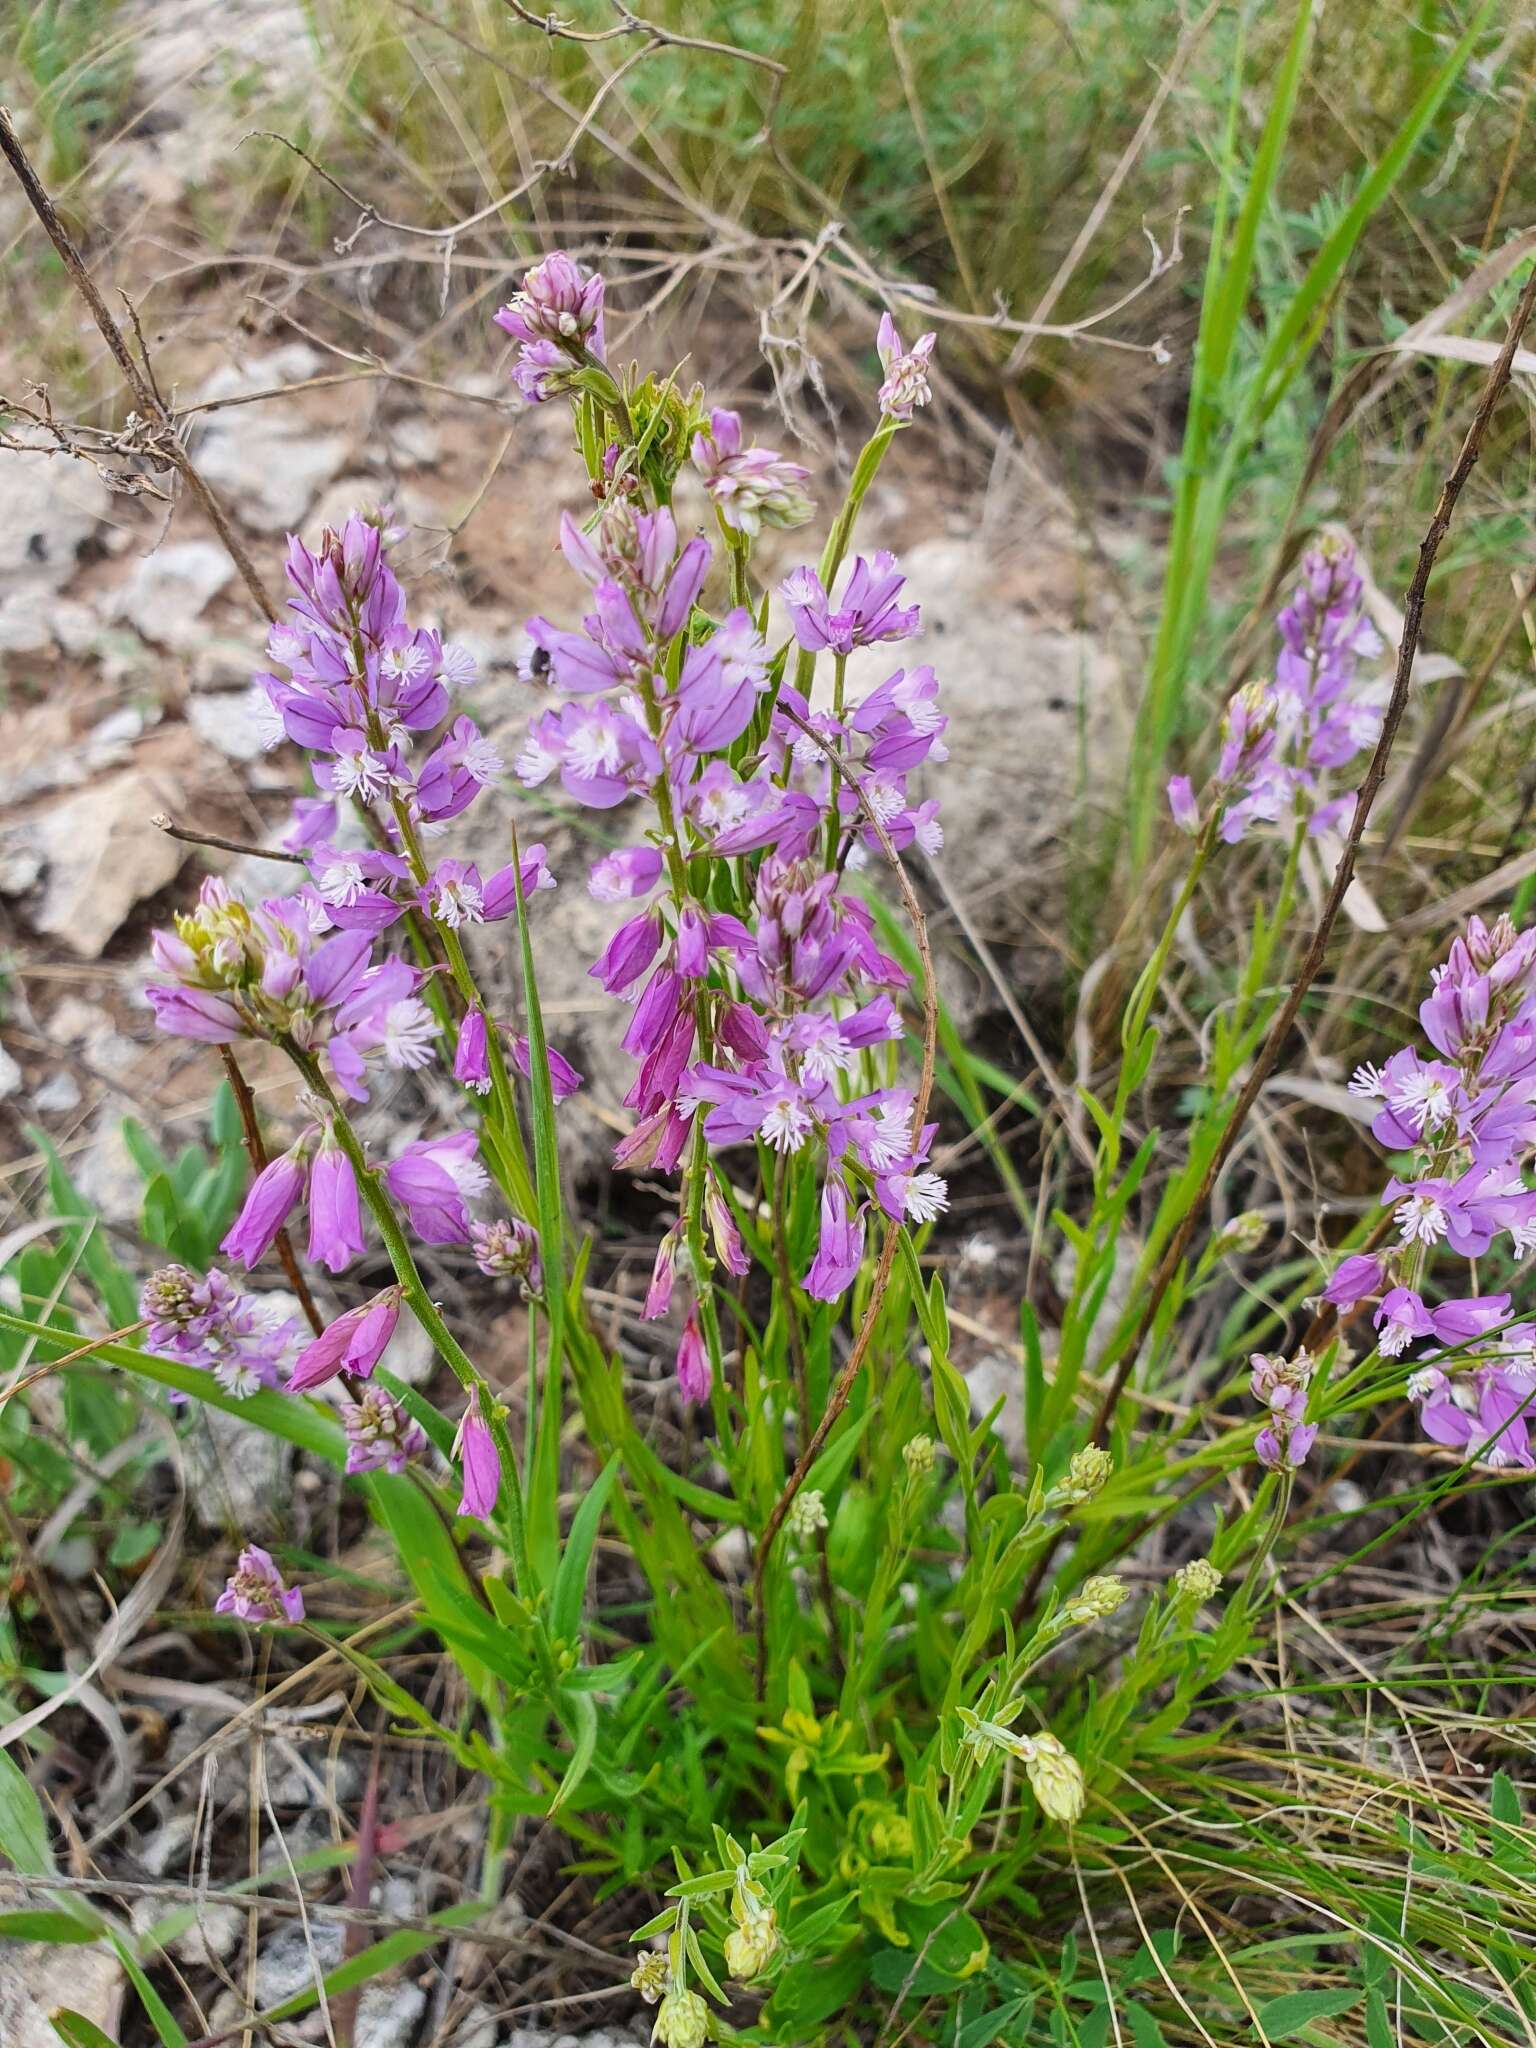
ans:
(682, 2021)
(1243, 1233)
(807, 1514)
(1197, 1581)
(751, 1945)
(1055, 1778)
(918, 1454)
(1086, 1474)
(1094, 1599)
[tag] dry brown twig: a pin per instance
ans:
(154, 420)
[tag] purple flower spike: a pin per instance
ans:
(559, 302)
(475, 1448)
(256, 1592)
(906, 371)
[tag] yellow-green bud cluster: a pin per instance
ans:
(682, 2021)
(807, 1514)
(1094, 1599)
(753, 1942)
(1196, 1581)
(918, 1455)
(1056, 1778)
(1244, 1233)
(1086, 1474)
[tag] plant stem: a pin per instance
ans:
(422, 1305)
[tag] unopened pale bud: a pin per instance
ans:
(682, 2021)
(918, 1455)
(1198, 1580)
(1244, 1233)
(807, 1514)
(751, 1946)
(1095, 1598)
(1086, 1474)
(1056, 1779)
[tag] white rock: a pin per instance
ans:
(236, 1473)
(49, 508)
(389, 2014)
(167, 592)
(37, 621)
(36, 1980)
(287, 1963)
(99, 856)
(105, 1173)
(10, 1075)
(1027, 703)
(266, 458)
(1000, 1379)
(169, 1847)
(59, 1094)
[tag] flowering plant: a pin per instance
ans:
(865, 1710)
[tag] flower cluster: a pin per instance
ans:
(763, 1012)
(760, 998)
(1466, 1116)
(256, 1591)
(242, 1339)
(557, 322)
(1280, 1386)
(1282, 741)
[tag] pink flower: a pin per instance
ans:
(840, 1250)
(256, 1592)
(355, 1343)
(868, 611)
(906, 371)
(335, 1219)
(693, 1369)
(471, 1059)
(271, 1200)
(432, 1180)
(480, 1463)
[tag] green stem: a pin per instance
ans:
(865, 470)
(422, 1305)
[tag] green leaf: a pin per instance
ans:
(23, 1824)
(584, 1714)
(990, 2026)
(76, 2031)
(571, 1578)
(1145, 2031)
(132, 1543)
(156, 2010)
(1292, 2010)
(59, 1926)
